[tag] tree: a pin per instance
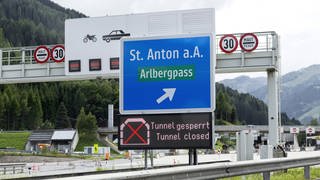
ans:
(34, 118)
(92, 123)
(47, 125)
(81, 122)
(219, 104)
(24, 110)
(224, 107)
(285, 120)
(314, 122)
(12, 107)
(2, 120)
(233, 116)
(62, 119)
(3, 41)
(86, 124)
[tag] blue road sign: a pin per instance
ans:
(172, 74)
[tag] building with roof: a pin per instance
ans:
(64, 140)
(38, 140)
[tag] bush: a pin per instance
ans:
(87, 140)
(86, 124)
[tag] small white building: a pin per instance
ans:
(64, 140)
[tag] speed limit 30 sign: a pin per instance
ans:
(57, 53)
(42, 54)
(228, 43)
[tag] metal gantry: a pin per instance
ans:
(17, 65)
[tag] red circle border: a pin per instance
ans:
(35, 57)
(58, 61)
(235, 47)
(254, 36)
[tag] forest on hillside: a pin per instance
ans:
(244, 108)
(34, 22)
(40, 105)
(45, 105)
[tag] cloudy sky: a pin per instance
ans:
(297, 22)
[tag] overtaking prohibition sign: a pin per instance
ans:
(41, 54)
(249, 42)
(228, 43)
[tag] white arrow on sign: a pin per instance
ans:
(169, 93)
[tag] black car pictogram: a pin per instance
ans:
(115, 35)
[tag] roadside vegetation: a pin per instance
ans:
(225, 141)
(87, 140)
(296, 174)
(87, 127)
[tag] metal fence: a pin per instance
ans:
(12, 168)
(20, 55)
(24, 55)
(268, 41)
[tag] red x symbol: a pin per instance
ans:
(135, 132)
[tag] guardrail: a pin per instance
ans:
(200, 172)
(222, 170)
(12, 168)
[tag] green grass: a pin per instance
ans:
(296, 174)
(15, 140)
(87, 140)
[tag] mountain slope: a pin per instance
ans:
(245, 84)
(300, 93)
(248, 109)
(34, 22)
